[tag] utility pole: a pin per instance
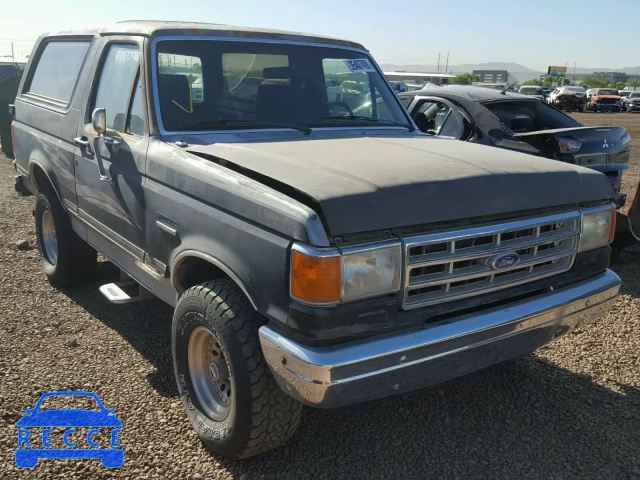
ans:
(438, 62)
(447, 66)
(13, 58)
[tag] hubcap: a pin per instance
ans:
(49, 240)
(210, 374)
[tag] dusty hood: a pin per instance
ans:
(380, 182)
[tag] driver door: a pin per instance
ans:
(110, 168)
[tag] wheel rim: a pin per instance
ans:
(210, 373)
(49, 240)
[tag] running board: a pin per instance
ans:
(114, 292)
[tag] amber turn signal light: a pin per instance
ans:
(316, 279)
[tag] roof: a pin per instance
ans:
(421, 74)
(471, 92)
(152, 28)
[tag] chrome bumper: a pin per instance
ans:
(379, 366)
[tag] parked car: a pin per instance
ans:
(603, 100)
(520, 123)
(533, 91)
(546, 92)
(631, 102)
(312, 255)
(568, 98)
(623, 94)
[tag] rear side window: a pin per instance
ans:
(57, 70)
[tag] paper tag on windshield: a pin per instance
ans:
(358, 65)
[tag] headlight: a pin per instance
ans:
(330, 276)
(371, 271)
(598, 228)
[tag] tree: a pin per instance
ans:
(620, 85)
(592, 82)
(534, 81)
(465, 79)
(634, 83)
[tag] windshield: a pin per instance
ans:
(529, 116)
(635, 95)
(206, 85)
(530, 90)
(607, 92)
(574, 89)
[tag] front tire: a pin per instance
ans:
(229, 394)
(66, 258)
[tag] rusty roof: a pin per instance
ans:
(152, 28)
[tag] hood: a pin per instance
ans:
(610, 97)
(381, 182)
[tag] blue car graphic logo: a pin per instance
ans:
(29, 452)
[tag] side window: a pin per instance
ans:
(437, 118)
(244, 73)
(351, 90)
(188, 66)
(116, 84)
(406, 101)
(451, 126)
(57, 70)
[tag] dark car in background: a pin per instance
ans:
(631, 102)
(520, 123)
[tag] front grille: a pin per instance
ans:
(607, 101)
(451, 265)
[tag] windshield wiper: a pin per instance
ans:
(224, 122)
(368, 119)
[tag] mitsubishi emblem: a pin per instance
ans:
(605, 144)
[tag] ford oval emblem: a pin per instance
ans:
(505, 260)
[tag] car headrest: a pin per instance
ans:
(276, 72)
(173, 89)
(275, 103)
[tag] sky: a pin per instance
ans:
(534, 33)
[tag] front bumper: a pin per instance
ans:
(632, 107)
(384, 365)
(606, 107)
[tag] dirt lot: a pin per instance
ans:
(570, 411)
(631, 121)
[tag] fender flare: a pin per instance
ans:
(185, 254)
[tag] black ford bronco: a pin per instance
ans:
(317, 248)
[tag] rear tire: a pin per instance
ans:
(66, 258)
(228, 392)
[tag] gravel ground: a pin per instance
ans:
(570, 411)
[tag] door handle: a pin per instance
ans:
(81, 142)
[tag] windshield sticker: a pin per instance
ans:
(358, 65)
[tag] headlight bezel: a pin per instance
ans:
(606, 213)
(347, 256)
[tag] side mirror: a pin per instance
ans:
(99, 121)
